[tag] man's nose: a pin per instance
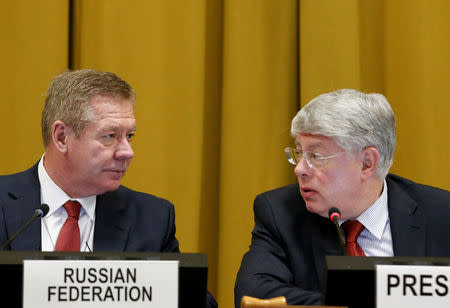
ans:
(124, 150)
(302, 168)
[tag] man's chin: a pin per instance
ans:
(111, 186)
(316, 208)
(114, 185)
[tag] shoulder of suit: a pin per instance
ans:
(432, 200)
(130, 194)
(24, 173)
(415, 188)
(291, 190)
(26, 178)
(282, 197)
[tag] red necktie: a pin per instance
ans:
(352, 230)
(69, 236)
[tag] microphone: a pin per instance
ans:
(38, 213)
(334, 214)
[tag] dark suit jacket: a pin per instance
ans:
(286, 256)
(125, 220)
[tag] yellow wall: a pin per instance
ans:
(34, 49)
(417, 76)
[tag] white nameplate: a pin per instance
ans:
(413, 286)
(100, 283)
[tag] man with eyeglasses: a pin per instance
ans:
(344, 146)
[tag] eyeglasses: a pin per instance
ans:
(314, 160)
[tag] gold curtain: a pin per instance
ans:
(33, 49)
(217, 84)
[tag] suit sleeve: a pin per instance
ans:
(170, 243)
(265, 271)
(3, 234)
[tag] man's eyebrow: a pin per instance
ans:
(314, 146)
(110, 128)
(115, 128)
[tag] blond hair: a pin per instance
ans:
(68, 98)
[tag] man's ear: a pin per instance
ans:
(370, 158)
(60, 136)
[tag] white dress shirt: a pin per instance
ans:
(51, 224)
(376, 238)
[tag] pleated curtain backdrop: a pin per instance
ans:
(217, 84)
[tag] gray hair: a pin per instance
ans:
(68, 98)
(354, 120)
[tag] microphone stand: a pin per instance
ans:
(340, 235)
(334, 215)
(39, 212)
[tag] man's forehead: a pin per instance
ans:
(112, 116)
(314, 141)
(111, 107)
(102, 101)
(116, 128)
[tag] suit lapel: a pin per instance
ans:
(111, 223)
(23, 198)
(325, 242)
(407, 222)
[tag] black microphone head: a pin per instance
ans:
(42, 210)
(334, 212)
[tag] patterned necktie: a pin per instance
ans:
(69, 236)
(352, 230)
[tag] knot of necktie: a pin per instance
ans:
(73, 209)
(353, 229)
(69, 236)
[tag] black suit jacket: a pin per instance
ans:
(125, 220)
(289, 244)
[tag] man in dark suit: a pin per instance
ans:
(87, 126)
(344, 144)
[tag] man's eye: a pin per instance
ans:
(110, 136)
(130, 136)
(315, 156)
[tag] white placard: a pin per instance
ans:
(413, 286)
(100, 283)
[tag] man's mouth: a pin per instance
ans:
(116, 172)
(307, 191)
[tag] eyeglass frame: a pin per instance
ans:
(294, 157)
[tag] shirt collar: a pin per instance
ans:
(55, 197)
(376, 216)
